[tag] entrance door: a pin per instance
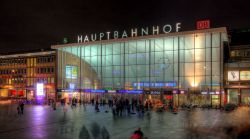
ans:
(233, 96)
(215, 100)
(245, 96)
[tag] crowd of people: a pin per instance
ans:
(123, 106)
(120, 105)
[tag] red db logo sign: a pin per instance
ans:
(205, 24)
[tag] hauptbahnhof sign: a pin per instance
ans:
(154, 30)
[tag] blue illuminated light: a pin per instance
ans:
(94, 91)
(131, 91)
(159, 84)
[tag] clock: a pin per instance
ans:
(233, 75)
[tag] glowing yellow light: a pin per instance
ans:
(194, 84)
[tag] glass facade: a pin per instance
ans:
(190, 61)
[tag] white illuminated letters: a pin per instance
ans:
(86, 38)
(92, 37)
(167, 28)
(79, 38)
(101, 36)
(108, 33)
(144, 31)
(116, 34)
(154, 30)
(134, 32)
(177, 27)
(124, 34)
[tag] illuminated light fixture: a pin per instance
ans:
(211, 93)
(203, 93)
(111, 91)
(131, 91)
(194, 84)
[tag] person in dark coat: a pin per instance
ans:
(22, 107)
(18, 110)
(96, 106)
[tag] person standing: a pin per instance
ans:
(92, 101)
(18, 110)
(22, 107)
(96, 106)
(54, 104)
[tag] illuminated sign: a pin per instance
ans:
(111, 91)
(130, 91)
(94, 91)
(203, 93)
(168, 97)
(39, 89)
(72, 86)
(215, 96)
(153, 92)
(211, 93)
(154, 30)
(204, 24)
(244, 75)
(182, 92)
(175, 92)
(160, 84)
(233, 76)
(71, 72)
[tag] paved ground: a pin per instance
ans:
(41, 122)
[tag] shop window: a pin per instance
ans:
(52, 80)
(233, 96)
(34, 61)
(53, 59)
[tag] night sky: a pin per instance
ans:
(32, 25)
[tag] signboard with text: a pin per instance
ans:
(134, 32)
(233, 76)
(39, 89)
(244, 75)
(204, 24)
(71, 72)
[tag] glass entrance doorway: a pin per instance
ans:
(232, 96)
(245, 96)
